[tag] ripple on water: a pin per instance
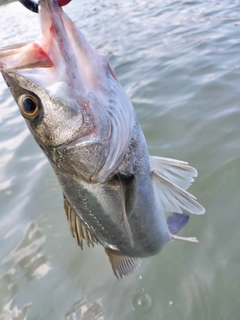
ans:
(25, 262)
(142, 302)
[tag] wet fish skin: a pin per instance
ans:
(89, 131)
(97, 203)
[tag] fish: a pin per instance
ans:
(115, 194)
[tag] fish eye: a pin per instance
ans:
(29, 107)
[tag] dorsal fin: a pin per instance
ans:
(77, 227)
(122, 265)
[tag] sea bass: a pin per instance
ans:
(114, 193)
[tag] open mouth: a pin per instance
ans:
(23, 56)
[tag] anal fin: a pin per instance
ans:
(122, 265)
(77, 226)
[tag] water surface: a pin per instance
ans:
(179, 63)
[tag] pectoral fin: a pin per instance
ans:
(123, 183)
(77, 227)
(122, 265)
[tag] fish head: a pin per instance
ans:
(58, 81)
(53, 119)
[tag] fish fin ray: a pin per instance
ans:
(122, 265)
(175, 171)
(176, 222)
(78, 228)
(173, 197)
(188, 239)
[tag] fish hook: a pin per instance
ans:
(30, 5)
(33, 5)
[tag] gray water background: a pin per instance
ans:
(179, 62)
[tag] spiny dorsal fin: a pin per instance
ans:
(122, 265)
(171, 178)
(77, 227)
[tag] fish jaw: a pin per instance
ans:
(60, 65)
(54, 39)
(23, 56)
(60, 53)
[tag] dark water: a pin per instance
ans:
(179, 63)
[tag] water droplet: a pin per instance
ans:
(170, 303)
(142, 301)
(140, 277)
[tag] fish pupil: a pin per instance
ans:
(29, 105)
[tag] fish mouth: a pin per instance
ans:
(36, 54)
(53, 50)
(60, 54)
(25, 55)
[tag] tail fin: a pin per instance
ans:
(171, 178)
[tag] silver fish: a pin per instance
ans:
(114, 193)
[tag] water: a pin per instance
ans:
(179, 63)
